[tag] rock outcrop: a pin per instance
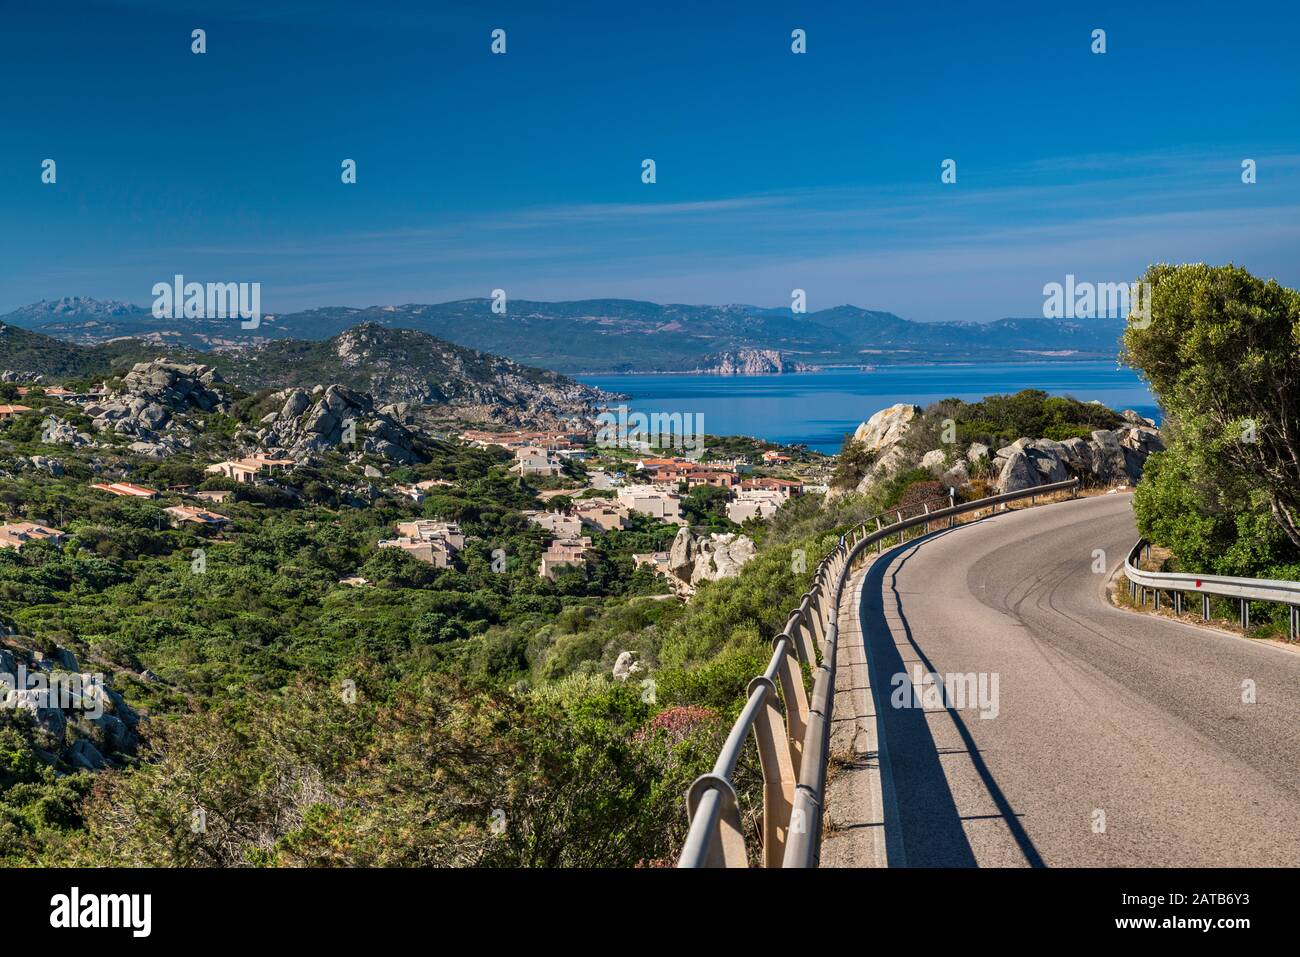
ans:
(1106, 457)
(886, 427)
(626, 666)
(698, 558)
(56, 431)
(335, 418)
(152, 402)
(74, 716)
(750, 362)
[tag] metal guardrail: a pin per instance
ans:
(1245, 590)
(794, 743)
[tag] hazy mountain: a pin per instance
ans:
(393, 365)
(617, 335)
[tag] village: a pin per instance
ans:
(588, 488)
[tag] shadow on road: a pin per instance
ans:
(928, 831)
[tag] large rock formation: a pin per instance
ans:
(150, 405)
(697, 558)
(335, 418)
(1107, 457)
(883, 434)
(886, 427)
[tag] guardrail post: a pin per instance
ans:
(724, 842)
(1205, 607)
(818, 616)
(1178, 603)
(797, 630)
(1295, 622)
(778, 774)
(878, 540)
(1245, 613)
(796, 705)
(1156, 593)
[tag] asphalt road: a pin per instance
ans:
(1119, 739)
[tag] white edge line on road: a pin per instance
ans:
(895, 852)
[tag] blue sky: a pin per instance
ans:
(522, 171)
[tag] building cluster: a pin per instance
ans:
(758, 497)
(556, 441)
(572, 530)
(428, 540)
(538, 453)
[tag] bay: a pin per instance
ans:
(818, 408)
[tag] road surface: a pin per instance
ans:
(1119, 739)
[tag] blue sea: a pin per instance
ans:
(818, 408)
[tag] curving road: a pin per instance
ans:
(1119, 739)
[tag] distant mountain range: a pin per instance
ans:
(613, 335)
(393, 365)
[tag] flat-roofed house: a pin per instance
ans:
(531, 460)
(754, 503)
(649, 500)
(658, 561)
(246, 470)
(434, 551)
(557, 523)
(570, 551)
(601, 514)
(182, 514)
(18, 534)
(416, 495)
(429, 530)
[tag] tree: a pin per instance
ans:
(1222, 353)
(853, 462)
(706, 505)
